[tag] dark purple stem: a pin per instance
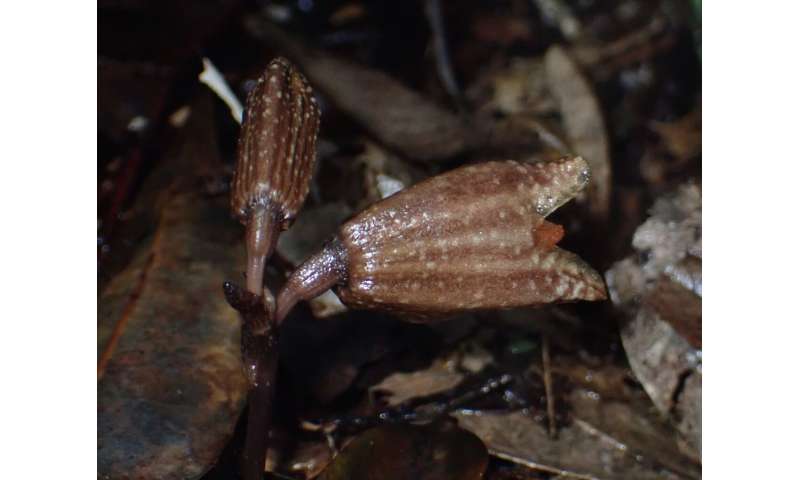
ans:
(259, 416)
(260, 360)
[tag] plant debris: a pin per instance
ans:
(583, 123)
(661, 291)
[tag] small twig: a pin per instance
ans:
(419, 409)
(539, 467)
(548, 387)
(216, 82)
(592, 430)
(444, 67)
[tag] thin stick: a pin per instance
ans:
(433, 12)
(548, 387)
(425, 408)
(216, 82)
(540, 467)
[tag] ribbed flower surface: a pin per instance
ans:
(277, 145)
(472, 238)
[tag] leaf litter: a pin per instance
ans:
(547, 393)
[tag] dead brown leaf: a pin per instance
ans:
(170, 382)
(583, 123)
(172, 387)
(402, 119)
(606, 439)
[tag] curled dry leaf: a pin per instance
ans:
(444, 374)
(432, 452)
(277, 152)
(473, 238)
(584, 124)
(660, 289)
(604, 440)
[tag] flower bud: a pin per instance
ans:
(277, 151)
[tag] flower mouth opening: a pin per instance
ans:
(547, 235)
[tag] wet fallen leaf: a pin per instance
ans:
(172, 385)
(170, 382)
(431, 452)
(584, 125)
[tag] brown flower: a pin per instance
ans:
(472, 238)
